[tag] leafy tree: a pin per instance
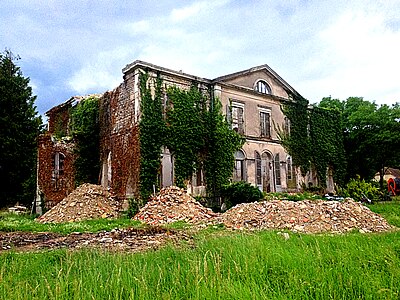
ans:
(19, 128)
(371, 135)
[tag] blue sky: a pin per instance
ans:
(321, 48)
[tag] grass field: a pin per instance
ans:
(221, 265)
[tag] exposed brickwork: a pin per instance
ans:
(55, 185)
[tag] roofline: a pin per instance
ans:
(145, 65)
(254, 69)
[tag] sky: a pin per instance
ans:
(320, 47)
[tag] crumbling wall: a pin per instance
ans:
(119, 143)
(55, 169)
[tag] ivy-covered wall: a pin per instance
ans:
(315, 140)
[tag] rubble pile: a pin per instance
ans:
(88, 201)
(174, 204)
(308, 216)
(128, 239)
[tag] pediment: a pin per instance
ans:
(251, 77)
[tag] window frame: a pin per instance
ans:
(261, 86)
(265, 123)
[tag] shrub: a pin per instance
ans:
(240, 192)
(359, 189)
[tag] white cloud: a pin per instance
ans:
(361, 56)
(102, 73)
(184, 13)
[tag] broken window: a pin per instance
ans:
(239, 171)
(235, 115)
(277, 170)
(265, 123)
(289, 168)
(258, 169)
(58, 169)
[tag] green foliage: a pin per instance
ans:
(151, 135)
(133, 207)
(240, 192)
(297, 140)
(327, 144)
(186, 131)
(371, 135)
(359, 188)
(19, 128)
(221, 144)
(315, 139)
(86, 134)
(194, 130)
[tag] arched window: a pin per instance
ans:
(239, 171)
(277, 170)
(258, 168)
(262, 87)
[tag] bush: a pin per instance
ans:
(359, 189)
(240, 192)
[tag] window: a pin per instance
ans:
(286, 125)
(262, 87)
(265, 123)
(238, 174)
(58, 163)
(236, 117)
(258, 168)
(277, 170)
(289, 168)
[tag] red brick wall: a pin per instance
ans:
(54, 188)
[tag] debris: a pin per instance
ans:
(88, 201)
(18, 209)
(308, 216)
(173, 204)
(128, 239)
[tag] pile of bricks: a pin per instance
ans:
(308, 216)
(88, 201)
(173, 204)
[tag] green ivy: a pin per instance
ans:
(186, 131)
(194, 130)
(222, 143)
(85, 130)
(151, 134)
(315, 139)
(297, 141)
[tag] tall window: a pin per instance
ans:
(289, 168)
(258, 168)
(287, 125)
(277, 170)
(239, 171)
(236, 117)
(265, 124)
(58, 164)
(262, 87)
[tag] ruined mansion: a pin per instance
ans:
(253, 97)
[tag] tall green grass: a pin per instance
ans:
(221, 266)
(389, 210)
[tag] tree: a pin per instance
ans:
(371, 135)
(19, 128)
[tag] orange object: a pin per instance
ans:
(394, 186)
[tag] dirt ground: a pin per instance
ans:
(127, 240)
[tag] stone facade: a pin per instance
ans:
(251, 100)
